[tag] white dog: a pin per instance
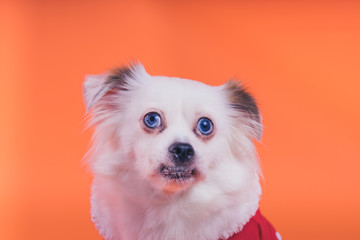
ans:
(173, 158)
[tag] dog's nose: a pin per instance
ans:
(182, 152)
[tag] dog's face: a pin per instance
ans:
(170, 132)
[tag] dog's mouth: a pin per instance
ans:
(177, 173)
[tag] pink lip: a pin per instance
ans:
(178, 173)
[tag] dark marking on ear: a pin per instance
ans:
(118, 77)
(240, 99)
(101, 86)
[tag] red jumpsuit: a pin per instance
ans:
(258, 228)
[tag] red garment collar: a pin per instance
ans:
(258, 228)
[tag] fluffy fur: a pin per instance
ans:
(130, 198)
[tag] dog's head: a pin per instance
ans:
(170, 132)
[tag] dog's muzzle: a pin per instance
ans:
(182, 167)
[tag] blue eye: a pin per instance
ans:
(152, 120)
(205, 126)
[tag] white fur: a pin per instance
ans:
(127, 203)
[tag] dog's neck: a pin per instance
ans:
(193, 214)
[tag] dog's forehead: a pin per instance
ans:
(173, 92)
(179, 88)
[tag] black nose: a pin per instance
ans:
(182, 152)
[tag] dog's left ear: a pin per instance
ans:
(245, 105)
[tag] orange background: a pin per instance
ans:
(301, 61)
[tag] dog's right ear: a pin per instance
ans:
(97, 86)
(94, 88)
